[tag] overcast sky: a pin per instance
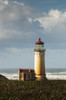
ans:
(22, 22)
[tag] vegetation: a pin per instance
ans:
(3, 78)
(32, 90)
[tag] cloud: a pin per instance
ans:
(52, 19)
(19, 3)
(5, 34)
(53, 25)
(30, 20)
(54, 57)
(5, 2)
(15, 17)
(14, 50)
(18, 28)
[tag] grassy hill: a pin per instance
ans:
(32, 90)
(3, 78)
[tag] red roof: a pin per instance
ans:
(39, 42)
(26, 70)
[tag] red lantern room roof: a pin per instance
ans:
(39, 42)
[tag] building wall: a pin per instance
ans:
(25, 76)
(40, 63)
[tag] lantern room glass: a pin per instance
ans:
(39, 47)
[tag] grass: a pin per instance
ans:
(32, 90)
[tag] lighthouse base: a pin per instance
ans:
(40, 77)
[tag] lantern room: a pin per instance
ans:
(39, 45)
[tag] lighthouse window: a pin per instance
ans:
(39, 47)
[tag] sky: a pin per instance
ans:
(22, 22)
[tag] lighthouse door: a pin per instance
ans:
(24, 77)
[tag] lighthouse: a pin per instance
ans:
(39, 60)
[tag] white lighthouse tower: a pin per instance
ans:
(39, 64)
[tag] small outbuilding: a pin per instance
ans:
(26, 74)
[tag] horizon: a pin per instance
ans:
(24, 22)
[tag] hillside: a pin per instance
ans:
(3, 78)
(32, 90)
